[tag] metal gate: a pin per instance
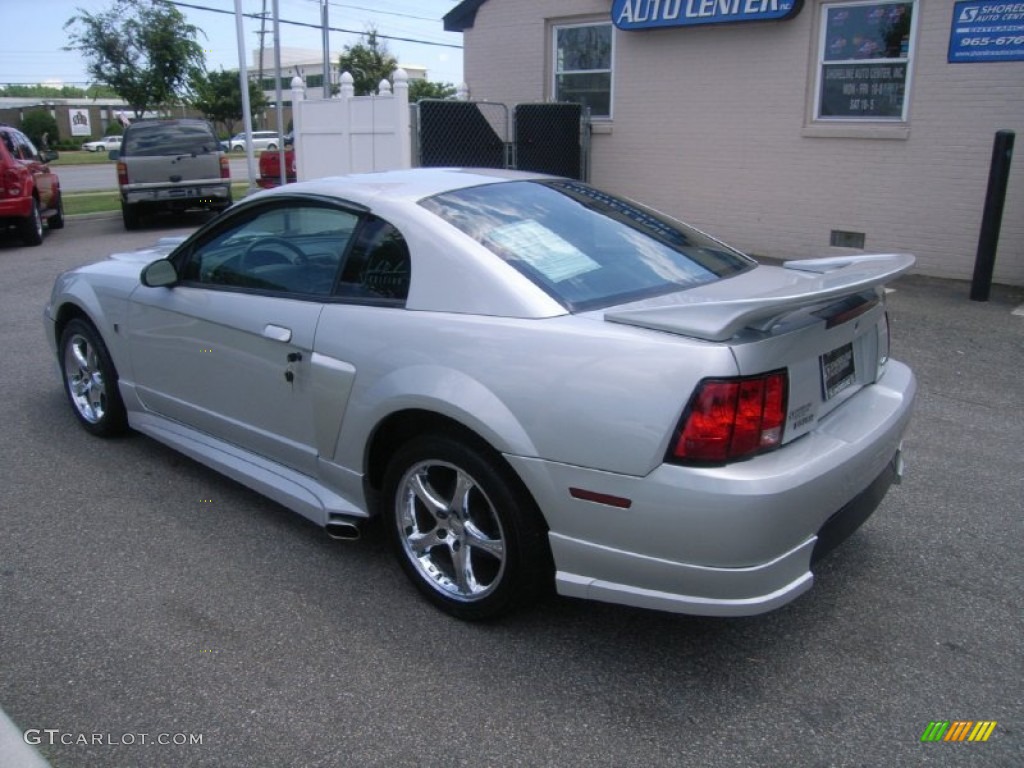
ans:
(548, 139)
(462, 134)
(545, 138)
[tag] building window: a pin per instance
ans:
(864, 61)
(583, 66)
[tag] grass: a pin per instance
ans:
(78, 157)
(103, 202)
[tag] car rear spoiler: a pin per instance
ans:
(718, 311)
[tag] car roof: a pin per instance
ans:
(167, 121)
(408, 185)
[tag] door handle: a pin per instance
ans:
(277, 333)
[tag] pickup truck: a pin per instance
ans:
(270, 168)
(170, 164)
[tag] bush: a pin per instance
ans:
(114, 128)
(36, 123)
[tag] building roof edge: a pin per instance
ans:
(462, 16)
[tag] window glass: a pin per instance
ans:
(293, 248)
(26, 148)
(169, 138)
(864, 60)
(583, 66)
(378, 266)
(584, 247)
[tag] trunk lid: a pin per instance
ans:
(173, 169)
(823, 321)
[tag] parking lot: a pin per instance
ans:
(143, 594)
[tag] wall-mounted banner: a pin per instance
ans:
(80, 124)
(986, 31)
(650, 14)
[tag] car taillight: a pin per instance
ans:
(225, 168)
(122, 174)
(12, 183)
(732, 418)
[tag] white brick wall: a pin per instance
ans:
(709, 126)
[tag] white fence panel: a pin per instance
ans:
(353, 134)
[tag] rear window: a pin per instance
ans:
(584, 247)
(170, 138)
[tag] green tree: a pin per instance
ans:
(37, 122)
(142, 49)
(425, 89)
(218, 95)
(369, 61)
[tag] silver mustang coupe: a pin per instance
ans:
(530, 380)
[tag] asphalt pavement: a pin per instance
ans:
(146, 599)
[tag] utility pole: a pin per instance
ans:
(262, 33)
(327, 49)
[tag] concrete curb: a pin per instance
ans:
(93, 215)
(13, 749)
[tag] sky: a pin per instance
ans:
(37, 57)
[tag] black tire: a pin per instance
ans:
(131, 216)
(56, 221)
(31, 227)
(90, 380)
(271, 147)
(475, 560)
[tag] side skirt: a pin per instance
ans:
(300, 493)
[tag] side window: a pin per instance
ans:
(293, 248)
(9, 143)
(378, 266)
(28, 149)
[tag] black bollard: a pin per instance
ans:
(992, 218)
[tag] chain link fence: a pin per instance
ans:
(544, 138)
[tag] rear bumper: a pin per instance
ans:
(733, 540)
(198, 192)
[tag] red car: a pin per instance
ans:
(29, 190)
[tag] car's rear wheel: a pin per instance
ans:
(272, 147)
(56, 221)
(131, 216)
(465, 531)
(90, 380)
(32, 226)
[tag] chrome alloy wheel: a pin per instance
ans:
(84, 379)
(450, 530)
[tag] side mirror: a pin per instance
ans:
(113, 154)
(49, 155)
(159, 274)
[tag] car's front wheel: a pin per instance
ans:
(32, 226)
(90, 380)
(464, 529)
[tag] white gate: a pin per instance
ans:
(353, 134)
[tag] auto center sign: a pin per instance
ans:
(650, 14)
(987, 31)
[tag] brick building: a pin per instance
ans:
(835, 122)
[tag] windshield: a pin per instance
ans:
(171, 138)
(586, 248)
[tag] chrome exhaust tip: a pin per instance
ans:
(343, 530)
